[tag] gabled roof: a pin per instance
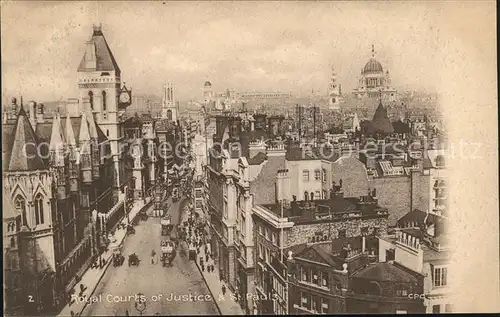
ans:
(417, 216)
(263, 187)
(8, 133)
(353, 174)
(257, 159)
(105, 59)
(23, 157)
(386, 272)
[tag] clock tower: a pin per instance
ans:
(99, 80)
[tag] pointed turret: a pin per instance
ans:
(73, 155)
(85, 150)
(94, 146)
(70, 134)
(25, 155)
(57, 151)
(57, 142)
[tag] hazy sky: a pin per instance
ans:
(287, 46)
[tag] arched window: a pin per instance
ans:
(169, 115)
(91, 100)
(12, 242)
(21, 208)
(39, 209)
(104, 101)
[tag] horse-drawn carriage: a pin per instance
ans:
(175, 194)
(167, 252)
(166, 225)
(133, 260)
(118, 257)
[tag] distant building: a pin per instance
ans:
(169, 109)
(374, 82)
(334, 92)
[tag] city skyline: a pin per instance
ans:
(182, 43)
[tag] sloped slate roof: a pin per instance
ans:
(105, 59)
(22, 157)
(263, 187)
(9, 211)
(257, 159)
(8, 133)
(417, 216)
(353, 174)
(381, 121)
(386, 272)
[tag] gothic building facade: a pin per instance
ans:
(63, 180)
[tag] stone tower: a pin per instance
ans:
(169, 109)
(334, 92)
(99, 80)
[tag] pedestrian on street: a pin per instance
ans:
(223, 289)
(198, 251)
(206, 258)
(153, 253)
(202, 267)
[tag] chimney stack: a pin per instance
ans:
(40, 113)
(13, 109)
(32, 112)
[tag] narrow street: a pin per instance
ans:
(183, 278)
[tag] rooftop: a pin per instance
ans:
(386, 272)
(105, 59)
(320, 210)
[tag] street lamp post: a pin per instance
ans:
(125, 204)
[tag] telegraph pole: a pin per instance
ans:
(314, 124)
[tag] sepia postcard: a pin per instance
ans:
(249, 158)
